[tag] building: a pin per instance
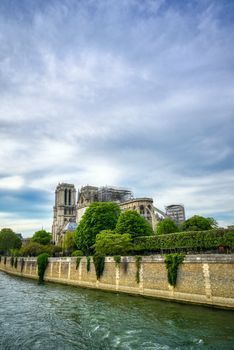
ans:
(176, 213)
(68, 212)
(64, 210)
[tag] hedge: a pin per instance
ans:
(196, 240)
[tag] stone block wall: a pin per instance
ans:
(202, 279)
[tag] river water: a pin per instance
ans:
(53, 316)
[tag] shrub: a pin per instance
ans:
(22, 265)
(172, 262)
(108, 243)
(42, 262)
(197, 240)
(99, 263)
(88, 263)
(117, 259)
(77, 253)
(138, 265)
(78, 260)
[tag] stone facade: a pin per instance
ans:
(66, 210)
(202, 279)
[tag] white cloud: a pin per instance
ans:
(135, 94)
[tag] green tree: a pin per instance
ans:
(69, 243)
(166, 226)
(109, 243)
(196, 223)
(213, 222)
(132, 223)
(34, 249)
(42, 237)
(97, 217)
(9, 240)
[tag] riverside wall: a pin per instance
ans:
(202, 279)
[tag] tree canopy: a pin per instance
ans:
(196, 223)
(132, 223)
(42, 237)
(97, 217)
(167, 226)
(69, 243)
(110, 243)
(9, 240)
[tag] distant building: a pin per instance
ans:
(176, 213)
(64, 210)
(67, 214)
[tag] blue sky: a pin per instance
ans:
(137, 94)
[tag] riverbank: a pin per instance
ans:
(205, 279)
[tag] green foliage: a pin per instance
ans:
(12, 261)
(138, 265)
(196, 223)
(77, 253)
(9, 240)
(42, 262)
(99, 263)
(88, 263)
(132, 223)
(97, 217)
(197, 240)
(78, 260)
(172, 262)
(108, 243)
(41, 237)
(34, 249)
(22, 265)
(213, 222)
(69, 243)
(117, 259)
(16, 262)
(166, 226)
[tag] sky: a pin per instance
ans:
(131, 93)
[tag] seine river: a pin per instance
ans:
(53, 316)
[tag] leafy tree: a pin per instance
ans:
(69, 243)
(41, 237)
(166, 226)
(97, 217)
(34, 249)
(132, 223)
(8, 240)
(109, 243)
(213, 222)
(196, 223)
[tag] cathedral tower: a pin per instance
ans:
(64, 209)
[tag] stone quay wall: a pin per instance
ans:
(202, 279)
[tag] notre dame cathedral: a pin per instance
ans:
(69, 207)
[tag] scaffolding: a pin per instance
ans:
(114, 194)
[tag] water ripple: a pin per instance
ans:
(58, 317)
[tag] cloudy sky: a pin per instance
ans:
(132, 93)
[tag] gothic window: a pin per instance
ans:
(69, 197)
